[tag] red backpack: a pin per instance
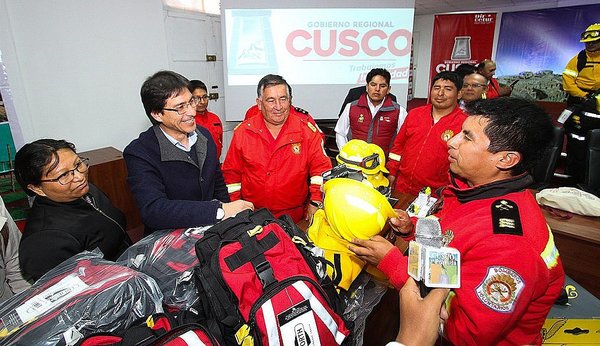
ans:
(259, 281)
(155, 330)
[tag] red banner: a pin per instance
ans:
(461, 39)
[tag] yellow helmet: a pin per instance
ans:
(360, 155)
(355, 209)
(592, 33)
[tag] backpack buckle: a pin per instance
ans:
(265, 274)
(256, 230)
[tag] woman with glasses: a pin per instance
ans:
(68, 215)
(203, 117)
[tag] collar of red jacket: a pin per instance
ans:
(465, 193)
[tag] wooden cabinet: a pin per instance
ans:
(109, 173)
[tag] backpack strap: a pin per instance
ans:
(581, 60)
(253, 251)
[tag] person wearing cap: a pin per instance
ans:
(11, 276)
(511, 271)
(374, 117)
(581, 81)
(276, 160)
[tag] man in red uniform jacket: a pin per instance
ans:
(418, 157)
(276, 160)
(374, 117)
(511, 272)
(207, 119)
(487, 68)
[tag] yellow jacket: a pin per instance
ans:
(588, 78)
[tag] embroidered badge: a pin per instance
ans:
(446, 135)
(505, 217)
(361, 118)
(296, 148)
(500, 289)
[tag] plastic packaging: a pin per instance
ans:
(169, 257)
(83, 295)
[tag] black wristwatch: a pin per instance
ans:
(317, 204)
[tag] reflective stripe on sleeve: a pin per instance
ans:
(235, 187)
(316, 180)
(394, 157)
(570, 73)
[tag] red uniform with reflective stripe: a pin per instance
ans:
(212, 123)
(421, 146)
(530, 257)
(384, 124)
(275, 173)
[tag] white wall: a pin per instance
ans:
(75, 67)
(424, 26)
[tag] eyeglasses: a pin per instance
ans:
(474, 85)
(590, 34)
(67, 177)
(204, 98)
(182, 108)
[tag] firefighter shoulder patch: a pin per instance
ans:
(500, 289)
(300, 110)
(505, 217)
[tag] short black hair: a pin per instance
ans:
(197, 84)
(454, 77)
(158, 88)
(515, 124)
(379, 72)
(465, 69)
(31, 159)
(272, 80)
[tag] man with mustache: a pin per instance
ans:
(418, 157)
(276, 160)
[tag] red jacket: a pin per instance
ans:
(492, 90)
(511, 272)
(275, 173)
(419, 156)
(380, 129)
(213, 124)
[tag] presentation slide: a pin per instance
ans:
(321, 52)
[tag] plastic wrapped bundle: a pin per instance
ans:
(83, 295)
(169, 257)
